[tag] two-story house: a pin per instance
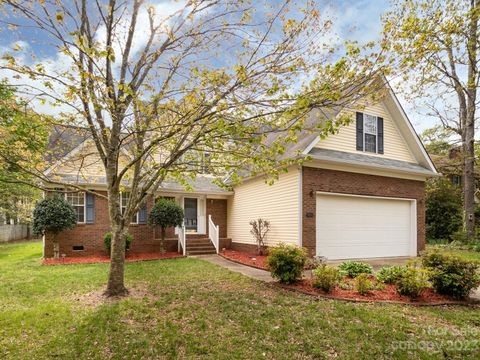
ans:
(359, 194)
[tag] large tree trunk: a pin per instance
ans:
(469, 181)
(469, 130)
(116, 284)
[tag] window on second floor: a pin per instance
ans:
(369, 133)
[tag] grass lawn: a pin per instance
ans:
(466, 254)
(188, 308)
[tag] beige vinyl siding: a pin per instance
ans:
(395, 146)
(279, 203)
(84, 161)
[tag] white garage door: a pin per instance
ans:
(353, 227)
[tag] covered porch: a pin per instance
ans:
(204, 230)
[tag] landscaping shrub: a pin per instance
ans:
(286, 262)
(412, 282)
(390, 274)
(451, 275)
(165, 213)
(325, 277)
(443, 209)
(459, 237)
(107, 241)
(355, 268)
(53, 215)
(259, 230)
(363, 284)
(315, 262)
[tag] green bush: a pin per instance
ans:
(286, 262)
(412, 282)
(53, 214)
(390, 274)
(165, 213)
(325, 277)
(355, 268)
(107, 241)
(451, 275)
(363, 284)
(459, 237)
(443, 209)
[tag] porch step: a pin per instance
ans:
(201, 252)
(200, 246)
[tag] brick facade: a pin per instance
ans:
(146, 237)
(218, 209)
(314, 180)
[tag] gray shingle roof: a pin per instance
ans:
(306, 136)
(201, 184)
(62, 140)
(368, 160)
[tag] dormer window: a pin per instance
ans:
(369, 133)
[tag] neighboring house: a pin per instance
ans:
(359, 194)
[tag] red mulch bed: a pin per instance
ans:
(256, 261)
(388, 294)
(106, 259)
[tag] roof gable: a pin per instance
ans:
(401, 141)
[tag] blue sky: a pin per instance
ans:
(351, 20)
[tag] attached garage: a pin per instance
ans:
(356, 227)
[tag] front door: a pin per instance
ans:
(191, 214)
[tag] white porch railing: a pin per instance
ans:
(182, 239)
(214, 233)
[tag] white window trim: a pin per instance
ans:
(84, 207)
(376, 135)
(121, 207)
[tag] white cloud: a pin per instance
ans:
(32, 88)
(162, 11)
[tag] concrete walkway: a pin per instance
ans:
(249, 271)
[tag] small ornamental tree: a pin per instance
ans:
(53, 215)
(165, 213)
(259, 230)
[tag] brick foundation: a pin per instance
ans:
(314, 180)
(248, 248)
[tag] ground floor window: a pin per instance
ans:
(123, 204)
(77, 200)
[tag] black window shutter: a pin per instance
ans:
(90, 208)
(380, 135)
(359, 131)
(142, 214)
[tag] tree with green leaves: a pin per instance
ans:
(435, 48)
(165, 213)
(23, 139)
(443, 209)
(53, 215)
(169, 83)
